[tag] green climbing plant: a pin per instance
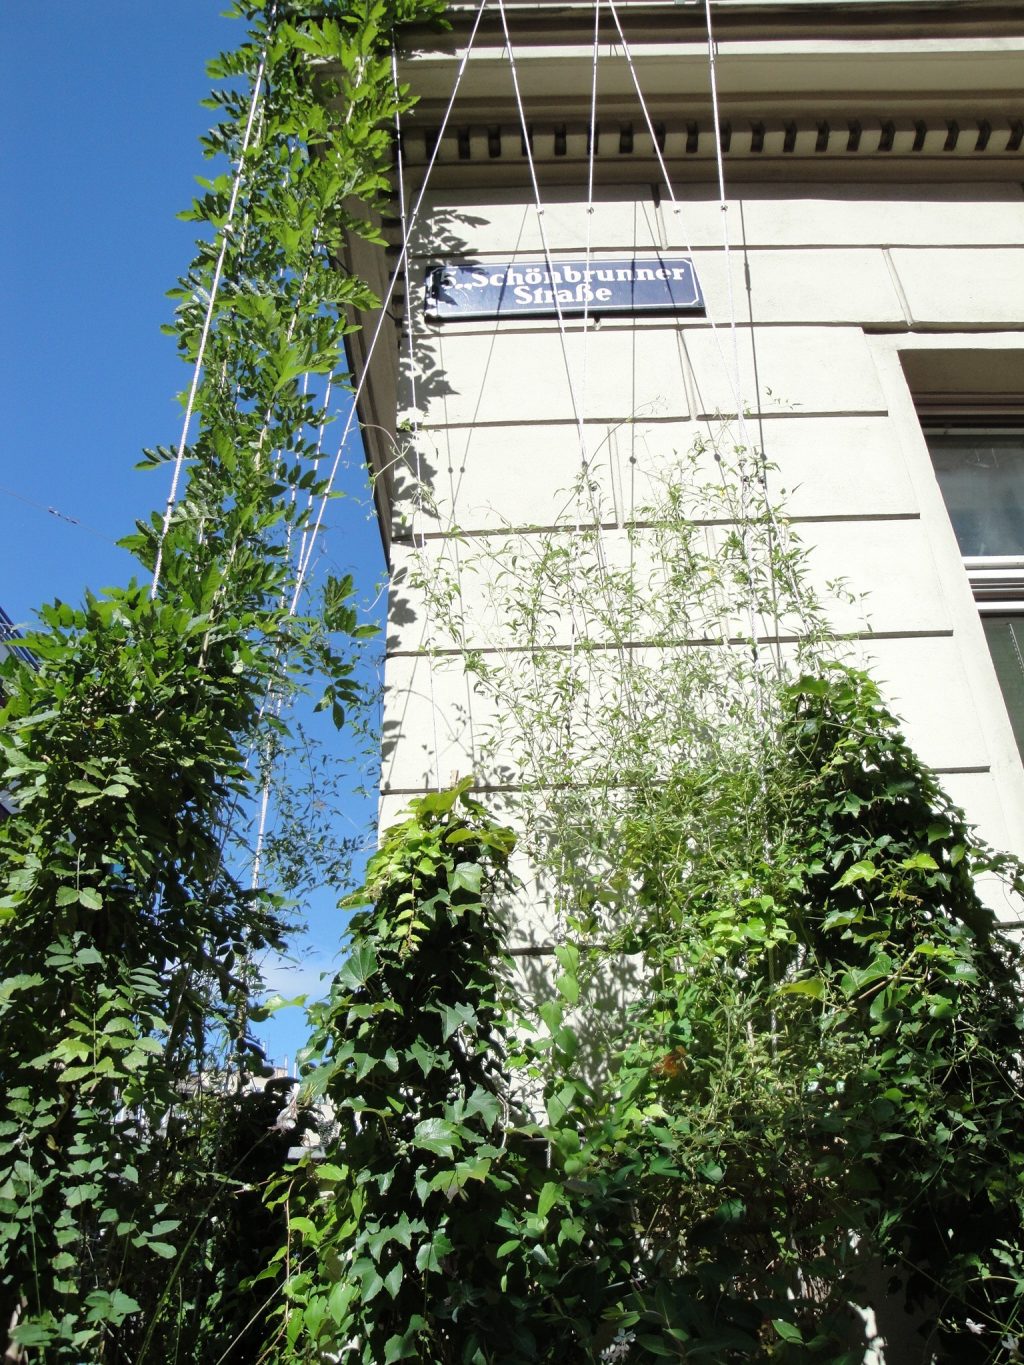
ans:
(806, 1087)
(775, 1062)
(431, 1225)
(130, 936)
(831, 1039)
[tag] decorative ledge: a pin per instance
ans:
(767, 139)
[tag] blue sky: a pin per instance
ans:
(100, 116)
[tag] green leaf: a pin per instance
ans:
(812, 986)
(863, 871)
(484, 1103)
(371, 1286)
(110, 1307)
(428, 1257)
(655, 1346)
(437, 1136)
(559, 1105)
(359, 968)
(787, 1331)
(711, 1171)
(923, 861)
(402, 1346)
(568, 988)
(548, 1198)
(33, 1334)
(467, 877)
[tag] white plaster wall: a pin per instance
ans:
(828, 284)
(852, 463)
(493, 222)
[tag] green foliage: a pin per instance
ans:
(128, 944)
(809, 1101)
(810, 1082)
(434, 1225)
(831, 1039)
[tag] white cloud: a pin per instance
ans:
(310, 977)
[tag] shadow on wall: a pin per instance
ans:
(414, 476)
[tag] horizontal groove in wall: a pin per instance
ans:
(509, 788)
(690, 643)
(409, 542)
(672, 325)
(610, 250)
(654, 420)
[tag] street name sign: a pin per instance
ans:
(534, 289)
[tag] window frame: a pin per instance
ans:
(996, 581)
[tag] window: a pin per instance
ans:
(979, 464)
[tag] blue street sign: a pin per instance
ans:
(532, 289)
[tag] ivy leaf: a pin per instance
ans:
(393, 1279)
(923, 861)
(466, 877)
(359, 968)
(558, 1105)
(32, 1334)
(486, 1104)
(656, 1347)
(863, 871)
(111, 1307)
(428, 1257)
(568, 988)
(437, 1136)
(371, 1286)
(456, 1017)
(402, 1346)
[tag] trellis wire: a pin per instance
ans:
(225, 237)
(420, 543)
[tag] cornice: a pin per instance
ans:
(800, 140)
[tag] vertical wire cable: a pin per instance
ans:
(317, 457)
(759, 691)
(225, 237)
(731, 375)
(602, 559)
(723, 202)
(585, 328)
(548, 260)
(677, 210)
(744, 517)
(310, 537)
(420, 541)
(399, 266)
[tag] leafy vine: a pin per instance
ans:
(129, 943)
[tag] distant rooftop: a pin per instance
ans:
(9, 636)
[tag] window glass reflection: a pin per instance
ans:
(982, 480)
(1005, 636)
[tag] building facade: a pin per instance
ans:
(861, 265)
